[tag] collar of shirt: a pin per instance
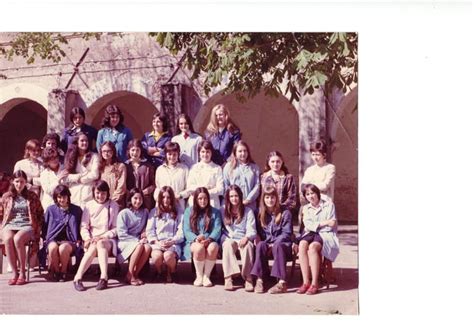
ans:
(157, 135)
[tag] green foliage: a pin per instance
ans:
(45, 45)
(251, 62)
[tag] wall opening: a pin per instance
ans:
(20, 120)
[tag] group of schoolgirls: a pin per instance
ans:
(161, 197)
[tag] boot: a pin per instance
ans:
(199, 265)
(208, 265)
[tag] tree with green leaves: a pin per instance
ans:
(247, 63)
(253, 62)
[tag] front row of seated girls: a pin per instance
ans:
(168, 235)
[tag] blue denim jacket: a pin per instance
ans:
(120, 137)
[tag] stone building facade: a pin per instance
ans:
(133, 72)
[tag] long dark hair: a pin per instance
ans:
(269, 191)
(188, 120)
(74, 112)
(72, 154)
(196, 210)
(160, 208)
(132, 193)
(109, 110)
(24, 192)
(228, 206)
(276, 154)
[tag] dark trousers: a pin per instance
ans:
(281, 251)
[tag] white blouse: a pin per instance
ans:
(81, 183)
(189, 154)
(49, 181)
(322, 177)
(174, 177)
(207, 175)
(31, 168)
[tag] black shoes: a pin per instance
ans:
(62, 277)
(102, 285)
(79, 286)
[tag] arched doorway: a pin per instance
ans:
(345, 158)
(137, 110)
(21, 119)
(267, 123)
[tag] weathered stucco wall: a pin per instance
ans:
(129, 71)
(267, 124)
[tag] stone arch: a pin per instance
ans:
(23, 90)
(21, 119)
(137, 109)
(345, 157)
(267, 123)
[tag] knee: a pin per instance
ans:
(261, 247)
(7, 236)
(315, 247)
(52, 248)
(169, 256)
(65, 249)
(197, 248)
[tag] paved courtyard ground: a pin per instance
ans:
(42, 297)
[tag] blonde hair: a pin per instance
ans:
(213, 128)
(31, 145)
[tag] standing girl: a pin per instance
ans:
(188, 141)
(114, 131)
(98, 230)
(31, 165)
(154, 141)
(50, 176)
(275, 229)
(63, 220)
(241, 170)
(22, 222)
(318, 236)
(322, 173)
(276, 175)
(173, 174)
(206, 174)
(140, 173)
(132, 242)
(238, 234)
(77, 118)
(202, 229)
(222, 133)
(165, 233)
(113, 172)
(82, 168)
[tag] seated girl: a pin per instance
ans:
(22, 222)
(98, 230)
(318, 237)
(275, 230)
(132, 242)
(63, 220)
(165, 233)
(238, 233)
(202, 229)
